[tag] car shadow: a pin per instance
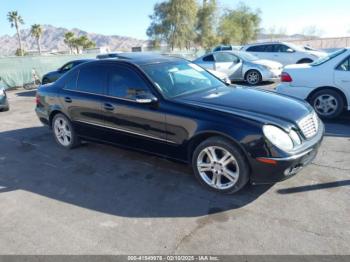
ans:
(339, 127)
(30, 93)
(301, 189)
(108, 179)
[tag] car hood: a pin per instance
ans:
(269, 63)
(260, 105)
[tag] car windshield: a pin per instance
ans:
(181, 78)
(247, 56)
(328, 58)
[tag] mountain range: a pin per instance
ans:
(53, 40)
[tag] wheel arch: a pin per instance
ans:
(202, 136)
(54, 113)
(340, 92)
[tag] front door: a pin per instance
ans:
(125, 113)
(229, 64)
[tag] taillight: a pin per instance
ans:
(285, 77)
(37, 99)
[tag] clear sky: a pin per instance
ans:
(130, 17)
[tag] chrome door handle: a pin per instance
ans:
(68, 99)
(108, 107)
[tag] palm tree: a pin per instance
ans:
(16, 20)
(36, 31)
(69, 39)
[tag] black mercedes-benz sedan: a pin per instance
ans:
(170, 107)
(54, 75)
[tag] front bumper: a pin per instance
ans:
(279, 169)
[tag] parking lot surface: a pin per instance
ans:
(99, 199)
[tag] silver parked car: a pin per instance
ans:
(241, 66)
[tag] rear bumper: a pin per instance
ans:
(294, 91)
(279, 169)
(42, 115)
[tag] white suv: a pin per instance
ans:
(285, 53)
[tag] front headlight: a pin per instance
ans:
(278, 137)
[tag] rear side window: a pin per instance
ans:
(92, 79)
(125, 83)
(208, 58)
(257, 48)
(345, 65)
(71, 82)
(270, 48)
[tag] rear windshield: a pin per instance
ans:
(328, 58)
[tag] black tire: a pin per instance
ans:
(249, 77)
(244, 171)
(338, 100)
(74, 140)
(305, 61)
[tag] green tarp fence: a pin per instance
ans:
(17, 71)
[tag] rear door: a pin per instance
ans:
(342, 76)
(82, 98)
(207, 62)
(258, 51)
(229, 64)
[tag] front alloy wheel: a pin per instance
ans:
(253, 77)
(220, 165)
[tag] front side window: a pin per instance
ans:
(345, 65)
(181, 78)
(92, 79)
(126, 83)
(283, 49)
(71, 80)
(225, 58)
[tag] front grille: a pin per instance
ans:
(309, 125)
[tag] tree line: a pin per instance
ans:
(73, 42)
(188, 23)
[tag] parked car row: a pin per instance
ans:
(325, 83)
(241, 66)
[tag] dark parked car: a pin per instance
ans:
(4, 104)
(54, 75)
(173, 108)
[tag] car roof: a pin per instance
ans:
(267, 43)
(84, 60)
(140, 58)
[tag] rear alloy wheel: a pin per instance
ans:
(64, 132)
(219, 165)
(327, 103)
(253, 77)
